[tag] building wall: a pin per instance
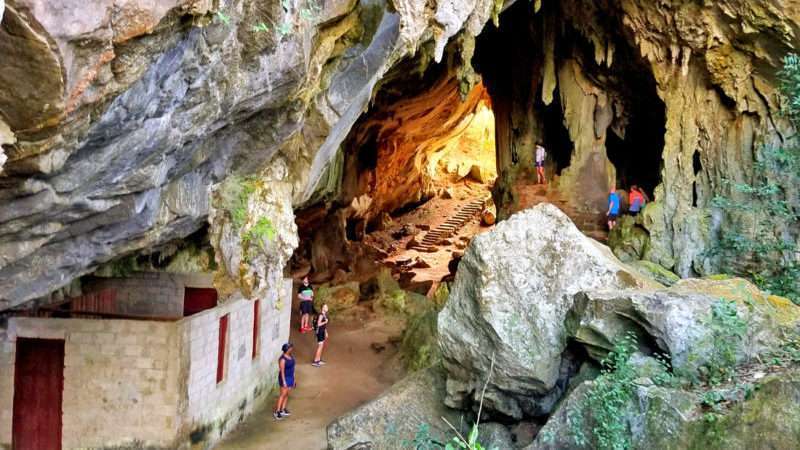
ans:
(121, 380)
(154, 294)
(7, 354)
(154, 383)
(214, 408)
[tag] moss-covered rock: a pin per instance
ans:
(628, 239)
(671, 418)
(776, 312)
(419, 347)
(338, 298)
(654, 271)
(678, 320)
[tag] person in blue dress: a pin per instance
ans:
(285, 381)
(613, 207)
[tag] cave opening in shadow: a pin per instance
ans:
(555, 136)
(636, 150)
(634, 139)
(587, 104)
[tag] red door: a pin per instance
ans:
(198, 299)
(38, 387)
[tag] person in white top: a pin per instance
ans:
(541, 155)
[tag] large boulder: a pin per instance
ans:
(667, 418)
(678, 319)
(411, 406)
(509, 300)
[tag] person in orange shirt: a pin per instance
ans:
(636, 200)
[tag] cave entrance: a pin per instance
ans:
(555, 136)
(635, 145)
(592, 103)
(419, 167)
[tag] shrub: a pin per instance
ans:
(727, 333)
(610, 395)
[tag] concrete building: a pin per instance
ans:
(139, 369)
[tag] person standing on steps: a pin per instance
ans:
(306, 295)
(285, 381)
(541, 155)
(613, 207)
(636, 199)
(321, 326)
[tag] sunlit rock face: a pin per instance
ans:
(411, 146)
(117, 118)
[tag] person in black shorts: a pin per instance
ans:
(306, 294)
(322, 336)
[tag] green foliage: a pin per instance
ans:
(788, 353)
(609, 397)
(611, 393)
(260, 233)
(759, 237)
(715, 402)
(423, 440)
(468, 443)
(260, 27)
(790, 87)
(727, 331)
(223, 18)
(664, 377)
(306, 13)
(284, 28)
(234, 195)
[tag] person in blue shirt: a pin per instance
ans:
(613, 207)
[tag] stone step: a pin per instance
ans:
(452, 224)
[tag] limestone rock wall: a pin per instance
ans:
(714, 68)
(116, 119)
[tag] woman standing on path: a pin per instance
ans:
(322, 336)
(285, 381)
(540, 156)
(306, 295)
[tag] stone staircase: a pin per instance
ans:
(591, 224)
(450, 227)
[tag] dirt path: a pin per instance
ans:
(355, 373)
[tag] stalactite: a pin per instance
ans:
(549, 78)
